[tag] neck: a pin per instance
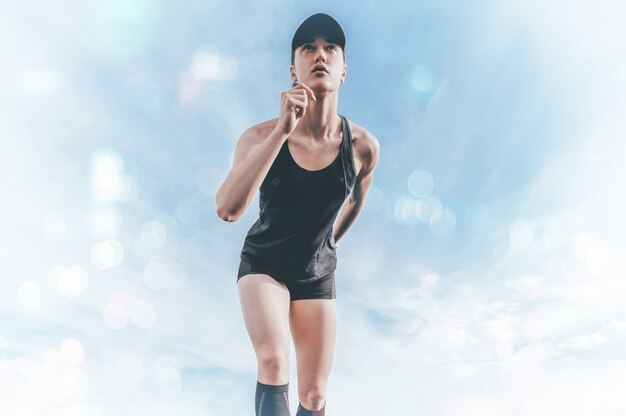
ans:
(321, 121)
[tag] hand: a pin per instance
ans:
(293, 104)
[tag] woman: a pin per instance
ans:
(306, 163)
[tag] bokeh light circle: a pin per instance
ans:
(72, 351)
(426, 207)
(115, 315)
(422, 79)
(153, 234)
(167, 373)
(420, 183)
(107, 254)
(443, 223)
(69, 282)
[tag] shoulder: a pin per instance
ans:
(256, 133)
(267, 124)
(365, 145)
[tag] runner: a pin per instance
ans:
(311, 166)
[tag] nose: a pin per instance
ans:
(320, 55)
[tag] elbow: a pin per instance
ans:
(221, 211)
(226, 215)
(226, 211)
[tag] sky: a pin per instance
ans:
(484, 276)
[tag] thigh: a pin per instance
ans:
(265, 307)
(313, 327)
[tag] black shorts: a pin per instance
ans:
(323, 288)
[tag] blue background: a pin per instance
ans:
(484, 276)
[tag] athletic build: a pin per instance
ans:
(312, 166)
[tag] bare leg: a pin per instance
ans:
(265, 308)
(313, 326)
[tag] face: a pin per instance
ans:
(319, 52)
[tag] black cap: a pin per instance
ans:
(319, 25)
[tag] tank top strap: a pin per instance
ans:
(349, 171)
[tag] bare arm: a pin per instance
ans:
(255, 152)
(254, 155)
(354, 203)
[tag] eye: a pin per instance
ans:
(306, 46)
(332, 47)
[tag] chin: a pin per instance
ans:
(321, 84)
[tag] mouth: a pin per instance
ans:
(319, 68)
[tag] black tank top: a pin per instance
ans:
(298, 207)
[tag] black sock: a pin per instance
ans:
(272, 400)
(303, 412)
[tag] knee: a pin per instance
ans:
(313, 398)
(274, 365)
